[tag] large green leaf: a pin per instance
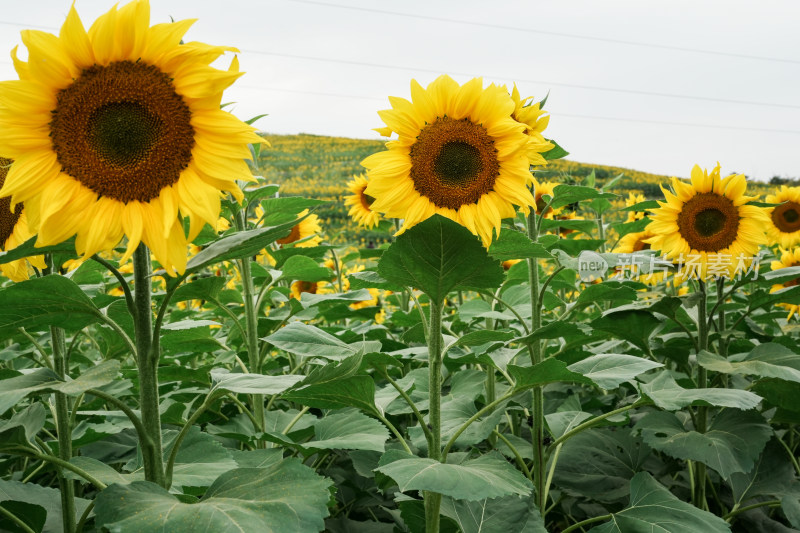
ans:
(772, 475)
(655, 509)
(284, 498)
(349, 430)
(12, 390)
(22, 427)
(634, 325)
(599, 463)
(336, 385)
(238, 245)
(608, 370)
(310, 341)
(768, 360)
(47, 499)
(252, 383)
(438, 256)
(38, 303)
(548, 371)
(667, 394)
(27, 249)
(200, 289)
(509, 514)
(306, 269)
(488, 476)
(569, 194)
(516, 245)
(609, 291)
(733, 442)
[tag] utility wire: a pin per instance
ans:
(557, 114)
(542, 82)
(551, 33)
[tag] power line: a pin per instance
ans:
(542, 82)
(551, 33)
(568, 115)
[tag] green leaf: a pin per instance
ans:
(779, 392)
(599, 463)
(483, 336)
(570, 194)
(22, 427)
(309, 341)
(284, 498)
(438, 256)
(516, 245)
(38, 303)
(556, 330)
(45, 498)
(548, 371)
(654, 508)
(769, 360)
(771, 476)
(609, 291)
(370, 279)
(336, 385)
(252, 383)
(32, 515)
(732, 443)
(27, 249)
(608, 370)
(667, 394)
(200, 289)
(556, 152)
(238, 245)
(488, 476)
(562, 421)
(286, 208)
(349, 430)
(509, 514)
(305, 269)
(790, 504)
(634, 325)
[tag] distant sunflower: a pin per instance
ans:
(13, 232)
(304, 233)
(459, 153)
(540, 190)
(707, 222)
(361, 203)
(631, 201)
(784, 226)
(299, 287)
(118, 132)
(637, 242)
(788, 259)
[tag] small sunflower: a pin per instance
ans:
(535, 121)
(707, 226)
(540, 190)
(311, 287)
(636, 242)
(118, 132)
(459, 153)
(13, 232)
(304, 233)
(784, 226)
(361, 203)
(632, 200)
(788, 259)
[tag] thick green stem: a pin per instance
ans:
(699, 499)
(249, 296)
(537, 399)
(147, 361)
(433, 501)
(63, 429)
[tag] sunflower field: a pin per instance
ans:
(203, 328)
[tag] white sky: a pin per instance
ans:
(327, 67)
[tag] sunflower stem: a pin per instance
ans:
(249, 295)
(699, 499)
(147, 361)
(537, 425)
(433, 501)
(62, 416)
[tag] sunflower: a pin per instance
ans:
(632, 200)
(707, 226)
(636, 242)
(540, 190)
(784, 226)
(459, 153)
(13, 232)
(535, 121)
(299, 287)
(788, 259)
(304, 233)
(360, 203)
(118, 132)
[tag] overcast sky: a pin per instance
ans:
(652, 85)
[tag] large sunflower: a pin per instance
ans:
(118, 131)
(459, 153)
(361, 203)
(784, 226)
(13, 232)
(788, 259)
(707, 225)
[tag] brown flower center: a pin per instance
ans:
(8, 218)
(641, 245)
(366, 199)
(306, 286)
(709, 222)
(122, 131)
(453, 162)
(786, 217)
(293, 236)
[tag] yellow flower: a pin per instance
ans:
(784, 226)
(636, 242)
(459, 153)
(118, 132)
(540, 190)
(303, 234)
(706, 225)
(509, 263)
(788, 259)
(13, 232)
(360, 203)
(299, 287)
(535, 121)
(632, 200)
